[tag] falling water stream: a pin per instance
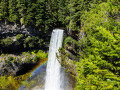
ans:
(54, 75)
(54, 78)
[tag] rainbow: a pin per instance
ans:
(38, 67)
(35, 71)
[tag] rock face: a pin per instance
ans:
(11, 30)
(14, 29)
(17, 66)
(9, 69)
(17, 38)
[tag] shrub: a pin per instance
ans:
(40, 54)
(7, 62)
(70, 41)
(19, 37)
(13, 83)
(10, 58)
(36, 58)
(32, 42)
(7, 42)
(29, 58)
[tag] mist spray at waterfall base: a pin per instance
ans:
(51, 76)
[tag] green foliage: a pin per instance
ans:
(40, 55)
(70, 40)
(46, 14)
(3, 9)
(34, 56)
(68, 65)
(71, 44)
(10, 58)
(31, 42)
(13, 83)
(28, 84)
(21, 43)
(28, 58)
(40, 14)
(99, 49)
(99, 64)
(30, 14)
(19, 37)
(3, 82)
(7, 42)
(13, 14)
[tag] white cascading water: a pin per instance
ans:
(53, 80)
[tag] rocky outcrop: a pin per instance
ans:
(11, 69)
(14, 29)
(16, 64)
(70, 53)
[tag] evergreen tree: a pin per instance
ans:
(3, 9)
(62, 11)
(51, 15)
(40, 14)
(99, 64)
(22, 8)
(13, 13)
(29, 17)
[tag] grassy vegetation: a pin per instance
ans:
(12, 83)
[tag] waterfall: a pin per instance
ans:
(54, 78)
